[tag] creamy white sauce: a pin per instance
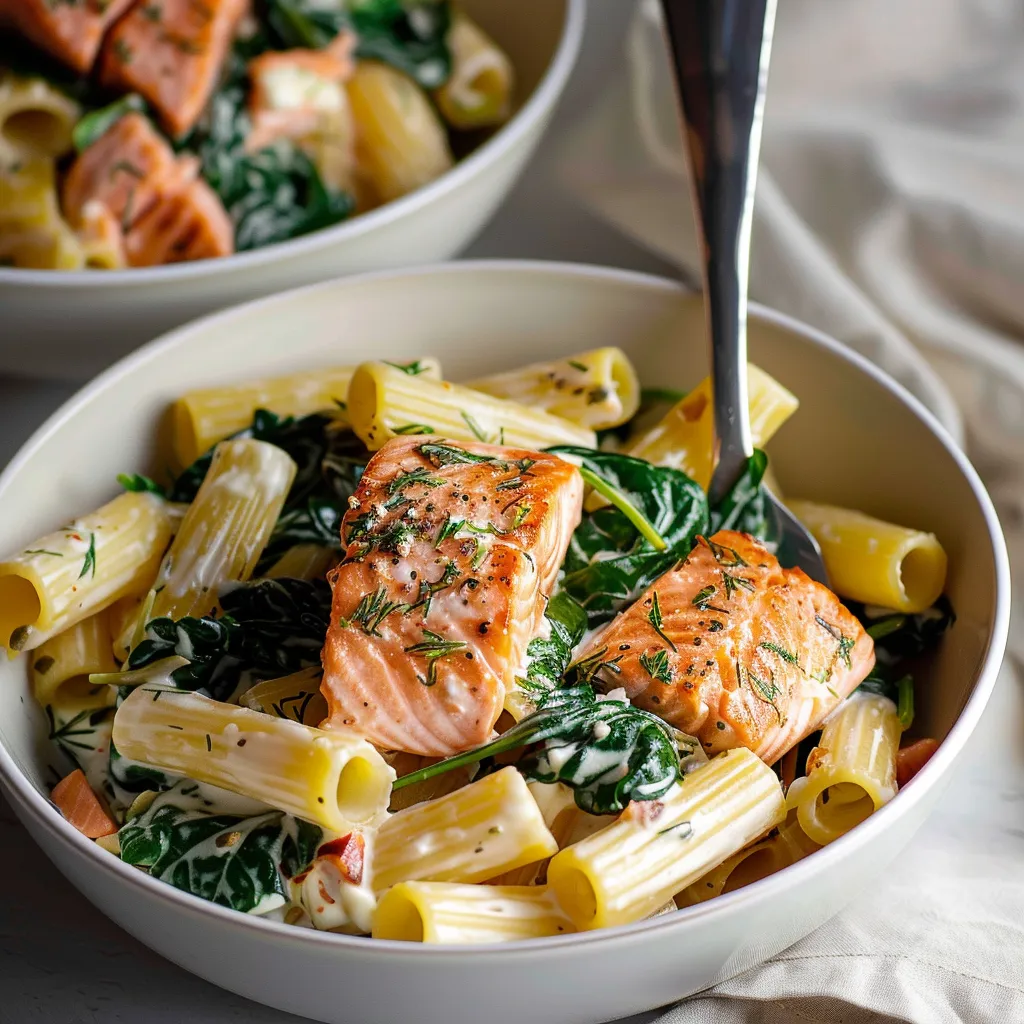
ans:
(290, 88)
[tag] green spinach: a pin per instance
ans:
(746, 507)
(271, 195)
(94, 125)
(270, 628)
(899, 639)
(234, 861)
(410, 35)
(609, 562)
(607, 751)
(550, 657)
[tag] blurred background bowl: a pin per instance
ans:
(858, 440)
(70, 325)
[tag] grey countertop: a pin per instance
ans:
(61, 960)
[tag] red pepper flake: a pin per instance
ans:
(346, 854)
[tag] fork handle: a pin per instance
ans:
(720, 51)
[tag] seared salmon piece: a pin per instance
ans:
(70, 31)
(299, 95)
(164, 211)
(124, 170)
(451, 552)
(731, 648)
(185, 224)
(171, 52)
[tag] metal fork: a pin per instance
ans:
(720, 52)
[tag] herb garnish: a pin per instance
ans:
(448, 455)
(657, 666)
(433, 647)
(655, 619)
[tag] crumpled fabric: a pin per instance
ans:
(889, 214)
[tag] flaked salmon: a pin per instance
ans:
(171, 52)
(164, 212)
(732, 648)
(70, 31)
(451, 552)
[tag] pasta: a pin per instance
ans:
(202, 130)
(683, 438)
(384, 402)
(456, 913)
(851, 772)
(35, 119)
(296, 697)
(478, 92)
(303, 562)
(873, 561)
(67, 660)
(33, 234)
(597, 389)
(332, 778)
(226, 527)
(81, 569)
(202, 418)
(378, 670)
(626, 871)
(476, 833)
(764, 858)
(401, 142)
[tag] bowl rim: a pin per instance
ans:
(29, 803)
(539, 103)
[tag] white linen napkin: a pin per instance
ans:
(890, 214)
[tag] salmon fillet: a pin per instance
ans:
(124, 169)
(164, 211)
(71, 32)
(451, 552)
(171, 52)
(731, 648)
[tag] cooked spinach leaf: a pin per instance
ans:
(609, 562)
(271, 195)
(269, 628)
(745, 507)
(236, 862)
(899, 639)
(607, 751)
(138, 483)
(94, 125)
(549, 658)
(410, 35)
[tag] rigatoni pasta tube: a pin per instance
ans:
(628, 870)
(81, 569)
(478, 92)
(201, 418)
(567, 823)
(476, 833)
(35, 118)
(71, 657)
(334, 778)
(683, 438)
(296, 696)
(596, 389)
(384, 402)
(873, 561)
(303, 562)
(764, 858)
(400, 141)
(852, 770)
(226, 527)
(456, 913)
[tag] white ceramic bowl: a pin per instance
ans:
(73, 324)
(858, 439)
